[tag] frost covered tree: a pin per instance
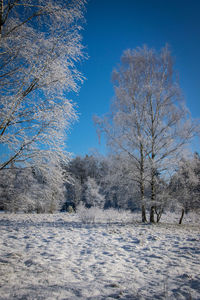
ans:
(113, 176)
(185, 185)
(40, 44)
(93, 196)
(120, 190)
(168, 126)
(163, 199)
(31, 190)
(80, 169)
(148, 119)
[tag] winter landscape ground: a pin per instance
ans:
(61, 257)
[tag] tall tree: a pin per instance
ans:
(167, 124)
(148, 118)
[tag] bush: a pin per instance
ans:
(108, 216)
(87, 215)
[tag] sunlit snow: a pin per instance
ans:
(59, 257)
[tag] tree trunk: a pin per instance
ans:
(158, 213)
(182, 214)
(152, 162)
(1, 16)
(144, 218)
(152, 211)
(153, 194)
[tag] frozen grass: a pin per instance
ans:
(60, 257)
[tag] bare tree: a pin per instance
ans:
(148, 118)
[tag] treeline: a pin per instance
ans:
(113, 178)
(104, 182)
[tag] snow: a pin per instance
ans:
(59, 257)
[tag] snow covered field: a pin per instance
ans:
(59, 257)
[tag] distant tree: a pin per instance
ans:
(148, 119)
(31, 190)
(7, 190)
(91, 166)
(76, 167)
(117, 184)
(162, 199)
(73, 193)
(79, 169)
(185, 185)
(113, 176)
(92, 194)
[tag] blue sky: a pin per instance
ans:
(113, 26)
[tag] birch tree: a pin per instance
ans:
(148, 118)
(168, 126)
(123, 126)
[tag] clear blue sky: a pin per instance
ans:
(116, 25)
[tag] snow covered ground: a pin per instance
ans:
(59, 257)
